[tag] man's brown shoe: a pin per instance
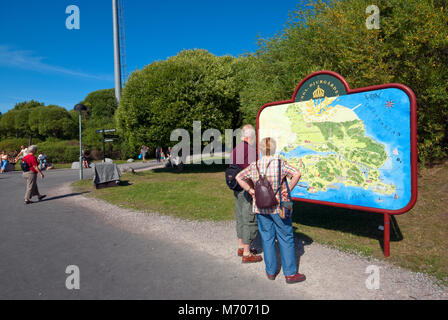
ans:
(271, 277)
(298, 277)
(251, 258)
(241, 251)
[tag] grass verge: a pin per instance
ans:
(419, 238)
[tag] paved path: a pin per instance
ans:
(124, 254)
(38, 242)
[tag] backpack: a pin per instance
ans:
(264, 195)
(231, 173)
(25, 167)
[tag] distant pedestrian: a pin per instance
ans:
(23, 153)
(270, 224)
(159, 152)
(143, 152)
(31, 175)
(168, 153)
(246, 222)
(4, 161)
(43, 162)
(85, 160)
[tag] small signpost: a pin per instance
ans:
(107, 138)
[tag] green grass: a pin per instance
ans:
(199, 193)
(419, 238)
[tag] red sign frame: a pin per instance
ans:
(414, 159)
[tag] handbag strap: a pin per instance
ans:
(280, 180)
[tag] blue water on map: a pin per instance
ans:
(386, 116)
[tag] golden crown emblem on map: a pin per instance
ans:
(318, 93)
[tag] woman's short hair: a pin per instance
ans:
(268, 146)
(32, 149)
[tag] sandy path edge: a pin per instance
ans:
(331, 274)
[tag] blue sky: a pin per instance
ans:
(41, 59)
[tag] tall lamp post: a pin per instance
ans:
(80, 108)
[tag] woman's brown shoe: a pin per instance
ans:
(252, 258)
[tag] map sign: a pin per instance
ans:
(354, 148)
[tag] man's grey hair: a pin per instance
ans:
(268, 146)
(32, 149)
(248, 132)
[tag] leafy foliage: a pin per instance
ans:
(60, 151)
(101, 104)
(192, 86)
(411, 47)
(51, 121)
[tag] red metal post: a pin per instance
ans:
(386, 235)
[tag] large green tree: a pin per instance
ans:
(101, 104)
(411, 47)
(195, 85)
(14, 123)
(52, 121)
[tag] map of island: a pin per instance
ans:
(349, 149)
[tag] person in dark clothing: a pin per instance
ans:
(246, 222)
(158, 154)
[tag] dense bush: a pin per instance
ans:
(193, 86)
(64, 151)
(11, 144)
(411, 47)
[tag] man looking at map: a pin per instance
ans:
(246, 222)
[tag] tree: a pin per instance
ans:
(7, 124)
(14, 123)
(410, 47)
(195, 85)
(52, 121)
(28, 105)
(101, 104)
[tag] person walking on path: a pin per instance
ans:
(4, 161)
(246, 222)
(270, 224)
(22, 154)
(143, 152)
(31, 175)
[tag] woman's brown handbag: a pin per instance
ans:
(264, 195)
(286, 207)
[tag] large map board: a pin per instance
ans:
(354, 148)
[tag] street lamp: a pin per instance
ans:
(80, 108)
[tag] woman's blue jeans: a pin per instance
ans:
(272, 226)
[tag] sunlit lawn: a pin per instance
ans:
(419, 238)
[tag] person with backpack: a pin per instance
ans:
(264, 180)
(246, 222)
(30, 168)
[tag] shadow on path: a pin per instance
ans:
(65, 196)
